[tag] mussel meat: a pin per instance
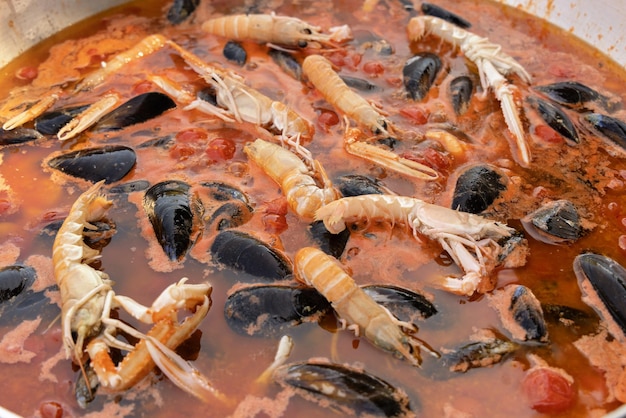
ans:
(173, 214)
(406, 305)
(268, 310)
(245, 253)
(419, 74)
(349, 390)
(554, 222)
(556, 119)
(110, 163)
(477, 188)
(602, 281)
(139, 109)
(234, 52)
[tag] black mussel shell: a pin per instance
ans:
(556, 119)
(554, 222)
(357, 185)
(608, 282)
(14, 280)
(223, 192)
(287, 63)
(370, 40)
(18, 136)
(437, 11)
(574, 94)
(352, 391)
(478, 354)
(136, 110)
(359, 83)
(87, 384)
(50, 123)
(331, 244)
(419, 74)
(164, 142)
(229, 215)
(268, 310)
(109, 163)
(406, 305)
(172, 211)
(612, 128)
(243, 252)
(526, 311)
(577, 321)
(477, 188)
(461, 91)
(209, 95)
(130, 187)
(234, 52)
(181, 10)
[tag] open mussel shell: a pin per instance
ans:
(348, 390)
(173, 214)
(419, 74)
(461, 91)
(110, 163)
(139, 109)
(477, 188)
(268, 310)
(554, 222)
(603, 283)
(556, 119)
(243, 252)
(18, 136)
(406, 305)
(526, 311)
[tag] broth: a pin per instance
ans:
(587, 174)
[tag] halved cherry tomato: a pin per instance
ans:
(374, 68)
(416, 114)
(327, 118)
(27, 73)
(547, 391)
(429, 157)
(220, 149)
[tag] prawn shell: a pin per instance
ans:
(110, 163)
(269, 310)
(244, 253)
(172, 213)
(136, 110)
(347, 389)
(607, 280)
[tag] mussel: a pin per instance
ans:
(18, 136)
(14, 280)
(477, 188)
(287, 63)
(331, 244)
(245, 253)
(357, 185)
(349, 390)
(406, 305)
(173, 214)
(139, 109)
(234, 52)
(440, 12)
(556, 119)
(602, 281)
(461, 91)
(50, 123)
(268, 310)
(482, 353)
(109, 163)
(419, 74)
(574, 94)
(225, 206)
(359, 83)
(612, 128)
(130, 187)
(525, 310)
(180, 10)
(554, 222)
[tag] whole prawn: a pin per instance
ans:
(355, 307)
(295, 178)
(269, 28)
(87, 299)
(471, 240)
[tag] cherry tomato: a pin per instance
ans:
(220, 149)
(27, 73)
(548, 134)
(327, 118)
(547, 391)
(416, 114)
(429, 157)
(181, 151)
(51, 409)
(191, 136)
(374, 68)
(274, 223)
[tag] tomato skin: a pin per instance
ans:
(547, 391)
(548, 134)
(429, 157)
(326, 119)
(373, 68)
(416, 114)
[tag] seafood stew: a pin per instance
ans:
(228, 202)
